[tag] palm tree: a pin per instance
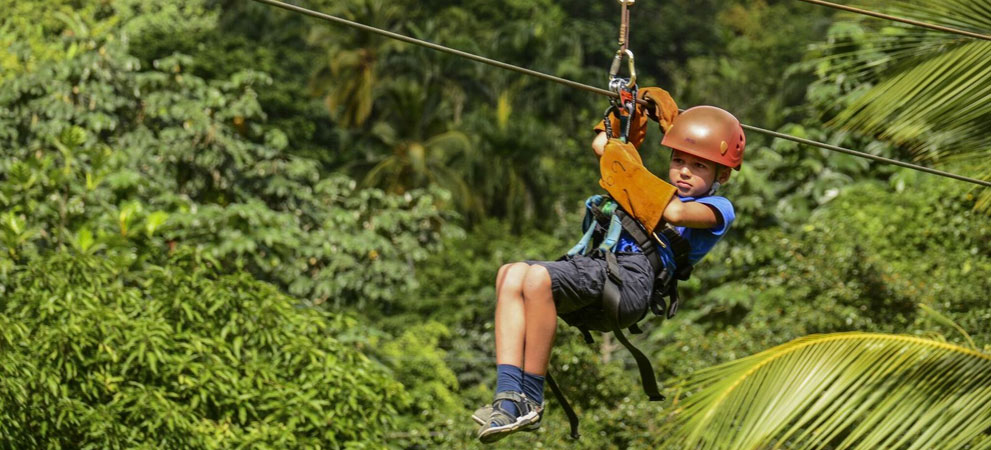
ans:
(927, 91)
(349, 76)
(424, 149)
(844, 390)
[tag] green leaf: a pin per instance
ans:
(73, 137)
(154, 221)
(850, 390)
(84, 239)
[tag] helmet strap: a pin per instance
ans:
(714, 188)
(715, 180)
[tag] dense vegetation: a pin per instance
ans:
(225, 225)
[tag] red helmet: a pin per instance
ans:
(710, 133)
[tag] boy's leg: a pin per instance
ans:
(504, 417)
(510, 316)
(541, 319)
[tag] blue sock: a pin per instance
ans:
(533, 387)
(509, 378)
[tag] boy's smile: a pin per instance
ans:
(693, 176)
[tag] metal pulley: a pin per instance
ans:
(624, 104)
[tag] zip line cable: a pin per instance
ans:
(605, 92)
(439, 48)
(986, 37)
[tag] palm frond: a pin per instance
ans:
(844, 390)
(929, 91)
(947, 91)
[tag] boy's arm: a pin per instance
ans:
(599, 143)
(691, 214)
(677, 213)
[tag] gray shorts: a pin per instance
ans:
(577, 283)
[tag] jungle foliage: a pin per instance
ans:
(179, 356)
(226, 225)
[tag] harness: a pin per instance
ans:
(604, 221)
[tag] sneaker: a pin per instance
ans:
(481, 415)
(501, 423)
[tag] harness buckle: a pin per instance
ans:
(659, 240)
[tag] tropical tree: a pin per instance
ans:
(844, 390)
(924, 90)
(103, 154)
(415, 125)
(349, 76)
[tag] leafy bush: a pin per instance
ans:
(178, 356)
(107, 155)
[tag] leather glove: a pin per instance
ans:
(639, 192)
(660, 108)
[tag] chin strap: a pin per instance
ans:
(715, 182)
(714, 188)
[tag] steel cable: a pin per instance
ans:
(917, 23)
(605, 92)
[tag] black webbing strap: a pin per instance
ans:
(643, 364)
(611, 288)
(657, 303)
(568, 410)
(644, 240)
(610, 303)
(681, 249)
(675, 301)
(586, 335)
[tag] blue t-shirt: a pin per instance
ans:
(701, 239)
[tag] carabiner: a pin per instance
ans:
(618, 60)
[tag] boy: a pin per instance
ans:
(706, 142)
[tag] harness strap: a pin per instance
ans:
(646, 370)
(681, 249)
(586, 335)
(611, 288)
(568, 410)
(583, 244)
(673, 293)
(610, 303)
(647, 245)
(658, 304)
(612, 235)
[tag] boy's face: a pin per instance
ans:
(693, 176)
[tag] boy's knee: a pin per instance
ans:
(512, 270)
(506, 267)
(537, 281)
(511, 276)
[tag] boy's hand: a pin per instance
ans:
(661, 108)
